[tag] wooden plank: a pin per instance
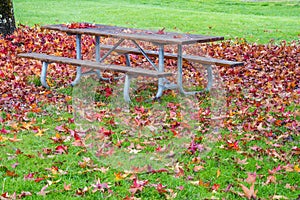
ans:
(136, 34)
(94, 65)
(197, 59)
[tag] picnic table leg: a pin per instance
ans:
(98, 58)
(179, 78)
(78, 56)
(44, 74)
(161, 69)
(209, 77)
(127, 88)
(179, 66)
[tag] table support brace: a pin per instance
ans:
(111, 50)
(145, 55)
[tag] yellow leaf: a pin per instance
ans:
(218, 173)
(39, 133)
(119, 176)
(2, 139)
(296, 168)
(27, 125)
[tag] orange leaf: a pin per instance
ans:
(14, 139)
(215, 187)
(296, 168)
(201, 183)
(11, 173)
(67, 187)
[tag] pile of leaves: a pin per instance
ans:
(262, 120)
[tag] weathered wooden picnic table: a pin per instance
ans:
(159, 38)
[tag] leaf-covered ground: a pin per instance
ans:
(42, 155)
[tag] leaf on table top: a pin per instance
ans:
(161, 31)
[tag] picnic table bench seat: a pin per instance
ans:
(191, 58)
(129, 71)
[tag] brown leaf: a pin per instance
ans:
(43, 191)
(271, 179)
(198, 168)
(278, 197)
(249, 193)
(11, 173)
(242, 162)
(251, 178)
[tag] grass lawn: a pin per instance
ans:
(240, 141)
(257, 21)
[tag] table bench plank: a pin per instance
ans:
(95, 65)
(192, 58)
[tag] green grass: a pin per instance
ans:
(259, 21)
(35, 159)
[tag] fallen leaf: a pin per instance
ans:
(249, 193)
(278, 197)
(270, 179)
(251, 178)
(198, 168)
(43, 191)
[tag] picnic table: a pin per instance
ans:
(158, 38)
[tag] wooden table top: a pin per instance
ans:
(159, 37)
